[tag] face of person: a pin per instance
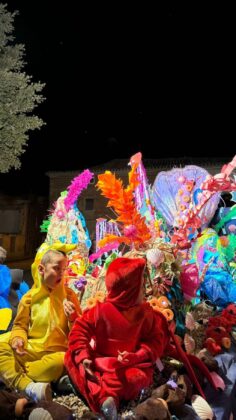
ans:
(53, 271)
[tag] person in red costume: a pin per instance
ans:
(128, 337)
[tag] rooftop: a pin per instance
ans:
(167, 163)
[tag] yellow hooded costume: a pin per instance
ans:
(43, 326)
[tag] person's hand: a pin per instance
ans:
(131, 358)
(122, 356)
(18, 346)
(127, 357)
(87, 367)
(69, 308)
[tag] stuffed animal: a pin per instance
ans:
(217, 337)
(172, 394)
(219, 329)
(220, 321)
(194, 339)
(152, 409)
(195, 323)
(229, 313)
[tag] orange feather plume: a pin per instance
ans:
(135, 230)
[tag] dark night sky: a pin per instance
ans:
(130, 79)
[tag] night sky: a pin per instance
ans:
(138, 78)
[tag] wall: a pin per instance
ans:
(22, 237)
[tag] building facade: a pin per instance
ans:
(20, 220)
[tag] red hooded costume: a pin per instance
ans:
(119, 324)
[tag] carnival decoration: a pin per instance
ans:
(197, 215)
(178, 191)
(213, 255)
(67, 225)
(178, 195)
(66, 222)
(134, 231)
(142, 192)
(105, 227)
(226, 220)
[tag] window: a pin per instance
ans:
(89, 204)
(10, 221)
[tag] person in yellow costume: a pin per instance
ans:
(32, 353)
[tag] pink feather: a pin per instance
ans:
(78, 184)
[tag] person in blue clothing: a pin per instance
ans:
(12, 286)
(5, 280)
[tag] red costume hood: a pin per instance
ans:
(124, 280)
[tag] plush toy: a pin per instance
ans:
(153, 409)
(220, 321)
(195, 336)
(229, 313)
(226, 319)
(174, 392)
(217, 337)
(195, 322)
